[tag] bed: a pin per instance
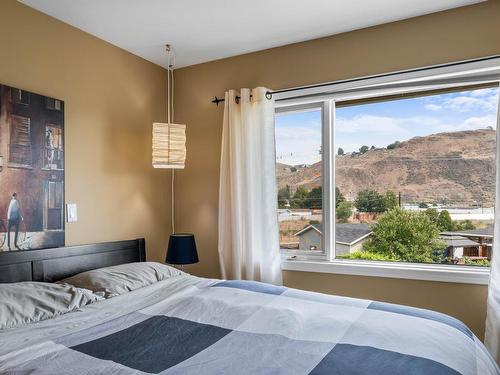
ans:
(189, 325)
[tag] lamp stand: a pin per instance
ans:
(180, 267)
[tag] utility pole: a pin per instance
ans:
(399, 199)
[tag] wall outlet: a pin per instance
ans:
(71, 213)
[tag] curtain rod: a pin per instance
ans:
(216, 100)
(269, 94)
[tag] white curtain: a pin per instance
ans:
(492, 334)
(248, 221)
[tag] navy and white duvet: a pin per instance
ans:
(188, 325)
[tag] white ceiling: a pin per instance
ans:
(205, 30)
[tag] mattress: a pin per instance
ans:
(190, 325)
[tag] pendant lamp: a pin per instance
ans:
(169, 139)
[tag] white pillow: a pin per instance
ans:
(116, 280)
(29, 302)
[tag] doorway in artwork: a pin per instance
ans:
(53, 207)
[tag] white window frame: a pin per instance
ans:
(325, 107)
(485, 71)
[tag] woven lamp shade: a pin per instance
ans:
(169, 145)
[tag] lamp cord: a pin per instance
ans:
(173, 202)
(170, 119)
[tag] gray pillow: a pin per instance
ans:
(29, 302)
(116, 280)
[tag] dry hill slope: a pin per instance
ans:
(457, 167)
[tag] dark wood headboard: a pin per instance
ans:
(58, 263)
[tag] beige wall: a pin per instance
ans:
(458, 34)
(111, 99)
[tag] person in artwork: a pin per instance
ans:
(14, 217)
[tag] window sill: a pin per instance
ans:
(412, 271)
(20, 166)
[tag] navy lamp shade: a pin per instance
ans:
(181, 249)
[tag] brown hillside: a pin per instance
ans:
(456, 167)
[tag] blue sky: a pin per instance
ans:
(298, 135)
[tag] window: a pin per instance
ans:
(415, 178)
(406, 167)
(53, 150)
(300, 179)
(20, 141)
(53, 104)
(19, 96)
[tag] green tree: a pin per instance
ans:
(315, 198)
(432, 214)
(344, 211)
(444, 222)
(299, 199)
(391, 200)
(340, 151)
(284, 196)
(423, 205)
(339, 197)
(363, 149)
(370, 201)
(372, 148)
(394, 145)
(408, 236)
(463, 225)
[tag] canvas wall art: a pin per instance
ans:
(31, 170)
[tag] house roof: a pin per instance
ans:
(348, 233)
(317, 227)
(482, 232)
(458, 241)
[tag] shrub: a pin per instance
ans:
(367, 255)
(408, 236)
(464, 225)
(478, 262)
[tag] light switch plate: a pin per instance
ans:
(71, 213)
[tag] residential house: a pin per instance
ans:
(483, 238)
(459, 246)
(349, 237)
